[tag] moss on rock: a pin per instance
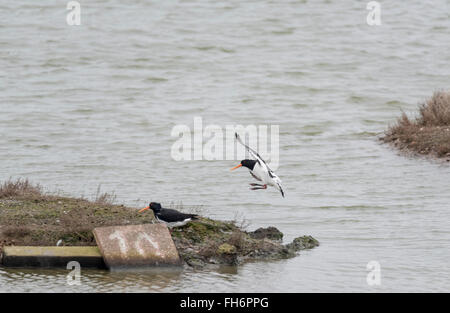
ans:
(226, 248)
(207, 241)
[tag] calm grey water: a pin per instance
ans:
(95, 104)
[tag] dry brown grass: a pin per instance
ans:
(104, 197)
(240, 221)
(28, 216)
(19, 188)
(436, 111)
(237, 239)
(429, 133)
(192, 209)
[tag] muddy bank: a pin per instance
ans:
(30, 217)
(428, 134)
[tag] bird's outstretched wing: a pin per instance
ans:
(255, 155)
(281, 190)
(279, 187)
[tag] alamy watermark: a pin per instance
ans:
(374, 16)
(213, 142)
(74, 277)
(74, 16)
(160, 10)
(374, 276)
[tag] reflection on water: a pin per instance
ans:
(91, 280)
(50, 280)
(95, 104)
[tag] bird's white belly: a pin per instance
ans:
(174, 224)
(263, 175)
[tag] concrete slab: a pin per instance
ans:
(137, 246)
(27, 256)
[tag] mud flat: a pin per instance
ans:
(29, 217)
(427, 134)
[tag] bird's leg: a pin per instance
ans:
(257, 188)
(253, 184)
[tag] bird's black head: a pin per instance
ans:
(155, 206)
(250, 164)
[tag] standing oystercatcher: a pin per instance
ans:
(172, 218)
(259, 170)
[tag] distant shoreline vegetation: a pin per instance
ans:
(427, 134)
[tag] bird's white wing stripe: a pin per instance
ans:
(252, 152)
(255, 155)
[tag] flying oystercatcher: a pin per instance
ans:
(172, 218)
(259, 170)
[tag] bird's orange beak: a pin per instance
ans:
(142, 210)
(237, 166)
